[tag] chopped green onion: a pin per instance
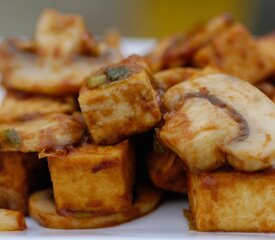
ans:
(158, 147)
(82, 214)
(12, 136)
(95, 81)
(116, 73)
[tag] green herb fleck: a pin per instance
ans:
(12, 136)
(116, 73)
(95, 81)
(82, 214)
(158, 147)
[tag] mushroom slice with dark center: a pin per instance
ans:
(216, 118)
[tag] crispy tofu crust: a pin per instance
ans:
(232, 201)
(53, 131)
(121, 108)
(15, 107)
(237, 53)
(12, 220)
(167, 172)
(94, 179)
(42, 209)
(25, 71)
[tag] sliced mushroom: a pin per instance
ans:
(50, 132)
(217, 118)
(17, 107)
(27, 72)
(42, 209)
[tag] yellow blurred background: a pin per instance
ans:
(137, 18)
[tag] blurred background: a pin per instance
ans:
(138, 18)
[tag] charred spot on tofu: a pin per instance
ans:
(125, 106)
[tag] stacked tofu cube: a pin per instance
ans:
(117, 102)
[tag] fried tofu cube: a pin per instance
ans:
(94, 179)
(237, 53)
(232, 201)
(126, 106)
(18, 178)
(166, 171)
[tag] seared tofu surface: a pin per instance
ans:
(232, 201)
(121, 108)
(93, 179)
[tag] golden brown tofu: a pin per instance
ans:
(27, 72)
(125, 104)
(166, 171)
(178, 50)
(19, 108)
(49, 132)
(12, 220)
(42, 209)
(236, 52)
(95, 179)
(232, 201)
(19, 175)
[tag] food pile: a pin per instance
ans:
(90, 139)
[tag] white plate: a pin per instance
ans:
(166, 222)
